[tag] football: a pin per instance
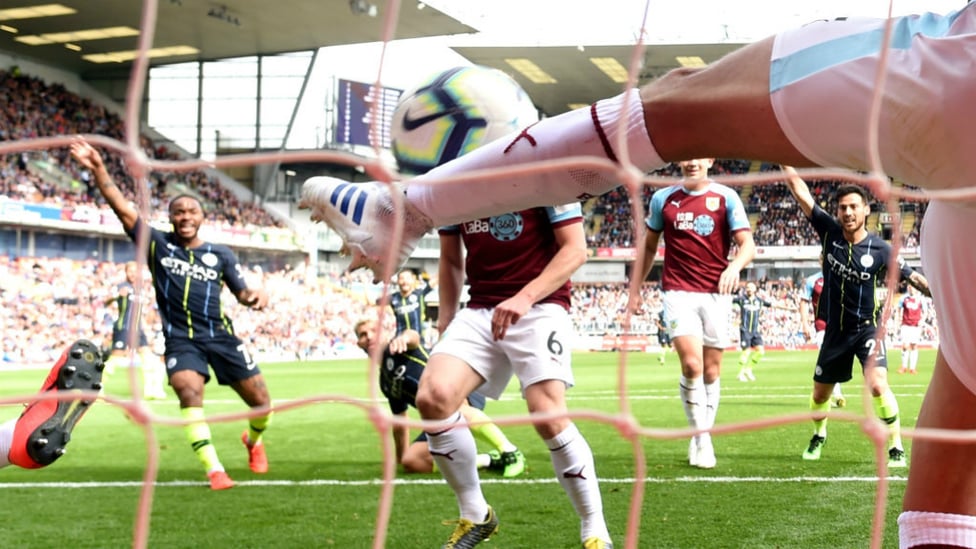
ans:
(455, 112)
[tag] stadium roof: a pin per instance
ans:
(204, 30)
(237, 28)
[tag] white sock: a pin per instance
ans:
(456, 454)
(713, 393)
(572, 460)
(6, 438)
(917, 528)
(913, 359)
(694, 401)
(590, 131)
(836, 392)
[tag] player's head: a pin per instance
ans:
(751, 289)
(186, 215)
(406, 281)
(696, 168)
(912, 290)
(852, 207)
(131, 272)
(366, 335)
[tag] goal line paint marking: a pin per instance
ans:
(424, 481)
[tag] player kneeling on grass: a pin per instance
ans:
(38, 437)
(403, 362)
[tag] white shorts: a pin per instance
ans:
(705, 316)
(536, 348)
(949, 264)
(911, 335)
(822, 81)
(818, 337)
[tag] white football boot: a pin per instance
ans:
(364, 216)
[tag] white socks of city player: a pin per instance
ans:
(572, 459)
(922, 528)
(454, 451)
(6, 439)
(592, 132)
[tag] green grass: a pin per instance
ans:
(322, 490)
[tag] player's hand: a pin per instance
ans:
(508, 312)
(86, 155)
(635, 305)
(256, 299)
(728, 281)
(398, 345)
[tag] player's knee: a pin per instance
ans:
(436, 400)
(415, 464)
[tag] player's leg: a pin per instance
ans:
(39, 435)
(936, 514)
(187, 377)
(509, 461)
(571, 456)
(940, 498)
(885, 403)
(913, 357)
(254, 392)
(6, 438)
(905, 353)
(837, 398)
(543, 365)
(743, 356)
(758, 352)
(153, 373)
(714, 311)
(446, 383)
(416, 457)
(834, 363)
(234, 366)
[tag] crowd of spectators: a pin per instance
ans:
(49, 302)
(610, 223)
(31, 108)
(600, 309)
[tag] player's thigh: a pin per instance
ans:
(722, 110)
(184, 355)
(465, 358)
(824, 81)
(949, 266)
(230, 360)
(714, 311)
(539, 346)
(950, 405)
(835, 361)
(682, 309)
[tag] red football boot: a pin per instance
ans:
(44, 428)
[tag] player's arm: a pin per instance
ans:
(406, 340)
(401, 438)
(89, 157)
(255, 298)
(746, 252)
(805, 323)
(800, 191)
(571, 240)
(450, 275)
(921, 283)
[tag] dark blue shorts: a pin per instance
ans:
(835, 362)
(227, 356)
(750, 339)
(120, 340)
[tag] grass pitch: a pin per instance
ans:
(324, 484)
